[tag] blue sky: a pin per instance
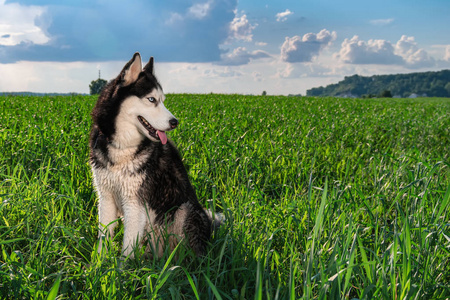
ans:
(227, 46)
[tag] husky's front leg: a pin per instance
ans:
(134, 221)
(107, 214)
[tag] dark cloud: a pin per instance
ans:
(110, 30)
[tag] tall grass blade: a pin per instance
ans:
(191, 282)
(213, 288)
(54, 290)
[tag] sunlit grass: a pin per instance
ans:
(325, 198)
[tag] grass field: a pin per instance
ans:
(325, 198)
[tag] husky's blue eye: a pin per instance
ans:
(151, 99)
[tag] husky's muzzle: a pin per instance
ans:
(157, 134)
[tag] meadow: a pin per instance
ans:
(325, 198)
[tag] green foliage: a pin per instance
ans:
(96, 86)
(386, 94)
(431, 84)
(325, 198)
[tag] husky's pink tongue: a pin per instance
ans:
(162, 136)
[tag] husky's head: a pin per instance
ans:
(131, 107)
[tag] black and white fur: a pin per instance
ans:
(137, 173)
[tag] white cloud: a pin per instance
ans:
(240, 56)
(18, 24)
(282, 16)
(412, 55)
(285, 72)
(304, 49)
(54, 77)
(447, 53)
(311, 69)
(241, 29)
(404, 52)
(199, 10)
(381, 22)
(185, 67)
(356, 51)
(225, 72)
(257, 76)
(174, 18)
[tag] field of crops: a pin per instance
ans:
(324, 198)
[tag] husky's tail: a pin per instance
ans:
(217, 219)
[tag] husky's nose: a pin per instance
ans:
(173, 123)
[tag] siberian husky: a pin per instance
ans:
(137, 172)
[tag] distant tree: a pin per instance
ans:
(96, 86)
(447, 88)
(386, 94)
(264, 93)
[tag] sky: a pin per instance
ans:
(222, 46)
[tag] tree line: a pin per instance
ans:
(427, 84)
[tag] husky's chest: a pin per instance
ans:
(122, 172)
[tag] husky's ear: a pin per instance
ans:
(130, 72)
(149, 66)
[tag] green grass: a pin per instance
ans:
(325, 199)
